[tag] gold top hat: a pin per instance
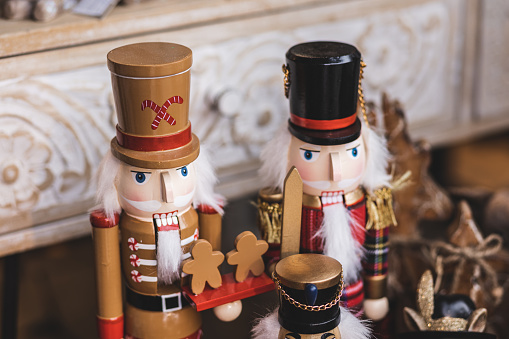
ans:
(151, 87)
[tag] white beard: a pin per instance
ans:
(169, 256)
(339, 242)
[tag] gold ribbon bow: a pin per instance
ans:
(445, 253)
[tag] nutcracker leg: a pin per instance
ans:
(10, 297)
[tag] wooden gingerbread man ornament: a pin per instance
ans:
(204, 266)
(247, 255)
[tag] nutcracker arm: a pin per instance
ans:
(110, 318)
(210, 226)
(376, 309)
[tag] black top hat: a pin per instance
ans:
(322, 82)
(309, 287)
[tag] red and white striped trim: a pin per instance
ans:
(137, 262)
(138, 277)
(190, 239)
(161, 111)
(134, 245)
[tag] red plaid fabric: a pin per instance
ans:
(353, 295)
(377, 247)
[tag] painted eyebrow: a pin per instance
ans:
(176, 169)
(353, 147)
(311, 147)
(310, 150)
(141, 172)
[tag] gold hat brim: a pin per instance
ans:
(173, 158)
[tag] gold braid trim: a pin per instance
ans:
(379, 205)
(379, 209)
(269, 217)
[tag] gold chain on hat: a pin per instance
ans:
(305, 307)
(361, 94)
(286, 80)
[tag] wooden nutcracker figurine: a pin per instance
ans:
(309, 289)
(346, 213)
(158, 191)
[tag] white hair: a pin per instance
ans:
(107, 195)
(206, 180)
(274, 158)
(376, 174)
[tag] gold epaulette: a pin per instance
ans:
(269, 214)
(379, 209)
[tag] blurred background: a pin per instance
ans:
(441, 63)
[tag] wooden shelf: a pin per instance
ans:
(22, 37)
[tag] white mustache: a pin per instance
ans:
(154, 205)
(183, 200)
(325, 184)
(145, 206)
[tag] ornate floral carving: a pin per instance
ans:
(51, 136)
(24, 172)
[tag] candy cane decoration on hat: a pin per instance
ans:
(161, 111)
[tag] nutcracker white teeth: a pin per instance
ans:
(166, 221)
(331, 198)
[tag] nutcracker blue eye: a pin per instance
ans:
(354, 151)
(184, 171)
(309, 155)
(140, 178)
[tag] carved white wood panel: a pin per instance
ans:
(492, 82)
(413, 53)
(55, 128)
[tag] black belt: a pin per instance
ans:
(156, 303)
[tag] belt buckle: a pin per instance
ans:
(168, 296)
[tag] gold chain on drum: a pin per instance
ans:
(305, 307)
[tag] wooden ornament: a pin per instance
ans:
(292, 211)
(420, 197)
(426, 319)
(203, 267)
(247, 255)
(464, 265)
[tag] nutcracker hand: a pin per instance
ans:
(228, 312)
(376, 309)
